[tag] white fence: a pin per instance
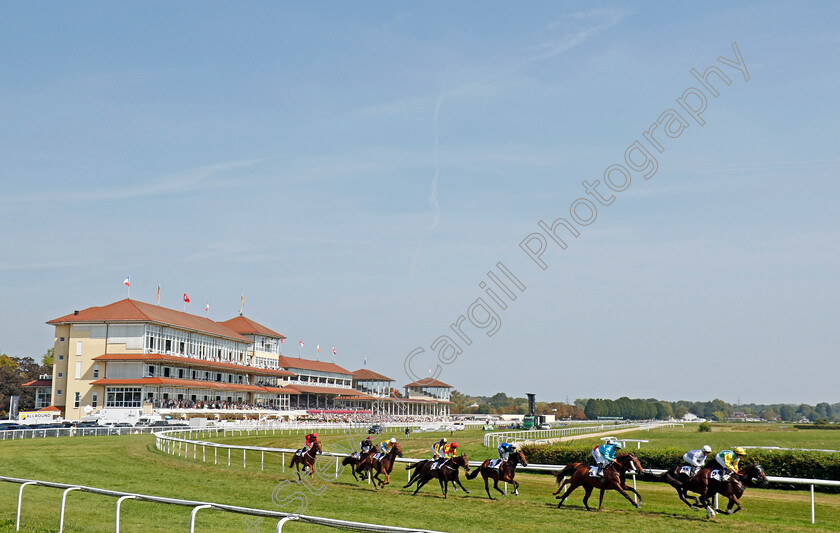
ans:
(197, 506)
(167, 443)
(494, 439)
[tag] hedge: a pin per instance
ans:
(817, 426)
(783, 463)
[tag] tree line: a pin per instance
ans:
(14, 372)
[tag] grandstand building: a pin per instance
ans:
(131, 358)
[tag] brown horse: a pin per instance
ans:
(682, 483)
(704, 485)
(355, 460)
(505, 472)
(446, 472)
(613, 479)
(306, 459)
(383, 465)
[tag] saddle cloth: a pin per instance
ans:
(378, 456)
(437, 464)
(356, 455)
(495, 463)
(719, 475)
(299, 453)
(688, 470)
(593, 471)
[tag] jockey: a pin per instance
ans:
(450, 450)
(729, 459)
(387, 445)
(697, 458)
(505, 450)
(309, 440)
(438, 448)
(604, 455)
(366, 445)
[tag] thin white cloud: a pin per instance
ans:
(189, 180)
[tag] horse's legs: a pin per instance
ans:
(624, 493)
(486, 485)
(733, 501)
(420, 483)
(559, 488)
(496, 486)
(444, 485)
(601, 499)
(515, 487)
(639, 496)
(571, 486)
(463, 488)
(588, 490)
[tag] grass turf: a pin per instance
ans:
(131, 463)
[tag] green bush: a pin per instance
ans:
(817, 426)
(783, 463)
(704, 427)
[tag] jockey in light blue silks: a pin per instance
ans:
(505, 450)
(604, 455)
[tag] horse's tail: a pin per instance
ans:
(472, 474)
(569, 469)
(409, 466)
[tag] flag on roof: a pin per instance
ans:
(318, 348)
(207, 307)
(158, 296)
(333, 350)
(127, 281)
(301, 343)
(186, 298)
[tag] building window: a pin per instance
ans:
(151, 372)
(60, 375)
(78, 347)
(180, 373)
(166, 371)
(123, 397)
(95, 372)
(58, 392)
(95, 399)
(79, 370)
(62, 339)
(76, 400)
(61, 358)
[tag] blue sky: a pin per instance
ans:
(356, 169)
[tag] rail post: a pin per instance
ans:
(63, 503)
(193, 513)
(812, 503)
(20, 501)
(262, 459)
(117, 513)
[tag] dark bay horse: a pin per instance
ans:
(682, 483)
(704, 485)
(614, 479)
(505, 472)
(355, 460)
(306, 459)
(383, 465)
(445, 473)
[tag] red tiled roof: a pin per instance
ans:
(38, 383)
(429, 382)
(314, 389)
(51, 408)
(136, 311)
(308, 364)
(246, 326)
(194, 384)
(364, 374)
(189, 361)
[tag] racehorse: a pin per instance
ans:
(682, 483)
(383, 465)
(613, 479)
(354, 461)
(306, 459)
(446, 472)
(706, 486)
(505, 472)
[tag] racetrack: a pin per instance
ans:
(131, 463)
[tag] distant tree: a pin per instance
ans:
(680, 411)
(769, 415)
(787, 412)
(719, 415)
(48, 358)
(823, 409)
(664, 411)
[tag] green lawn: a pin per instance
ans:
(131, 463)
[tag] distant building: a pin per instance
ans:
(134, 358)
